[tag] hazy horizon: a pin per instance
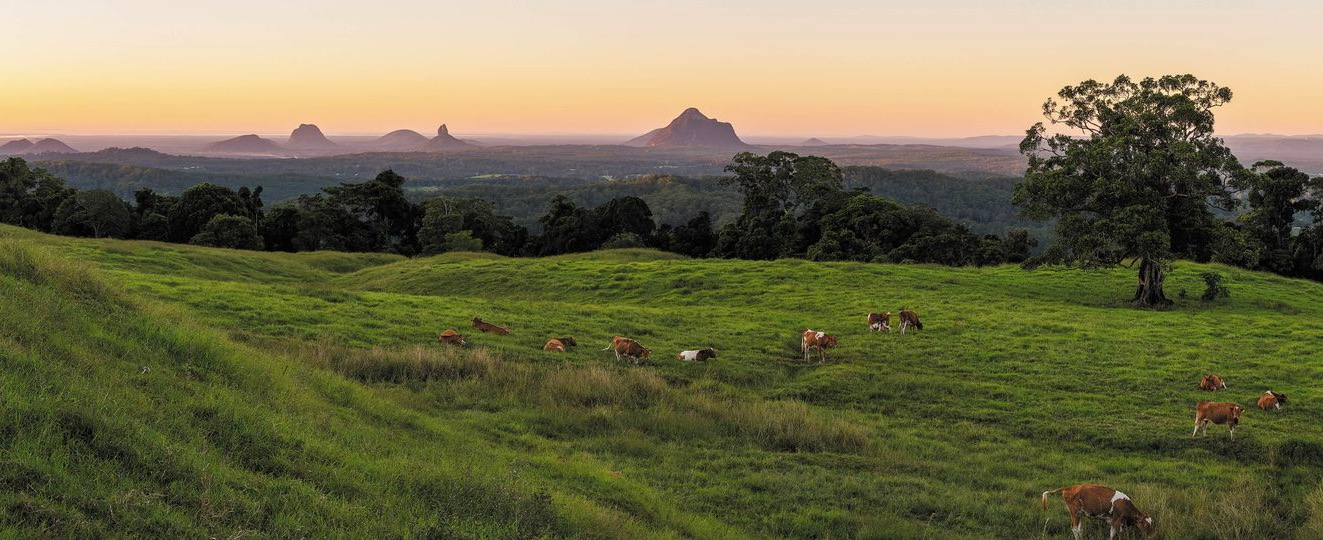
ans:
(831, 69)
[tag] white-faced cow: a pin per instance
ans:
(1217, 413)
(813, 339)
(701, 355)
(629, 348)
(879, 322)
(909, 318)
(1212, 383)
(1101, 502)
(451, 337)
(1271, 400)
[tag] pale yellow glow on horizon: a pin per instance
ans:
(829, 68)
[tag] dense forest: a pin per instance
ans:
(812, 215)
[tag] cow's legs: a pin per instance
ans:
(1196, 427)
(1233, 433)
(1076, 521)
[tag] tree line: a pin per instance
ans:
(793, 206)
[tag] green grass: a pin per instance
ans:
(305, 395)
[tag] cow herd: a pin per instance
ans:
(1091, 500)
(628, 348)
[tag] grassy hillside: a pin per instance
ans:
(304, 395)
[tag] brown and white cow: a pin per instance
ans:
(1212, 383)
(909, 318)
(1101, 502)
(1271, 400)
(484, 326)
(626, 347)
(554, 345)
(451, 337)
(1217, 413)
(813, 339)
(701, 355)
(879, 322)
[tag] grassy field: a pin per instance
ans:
(157, 389)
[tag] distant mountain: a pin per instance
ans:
(49, 146)
(691, 129)
(244, 144)
(400, 140)
(445, 142)
(310, 137)
(814, 142)
(13, 148)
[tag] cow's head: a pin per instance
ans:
(646, 352)
(1281, 398)
(569, 342)
(829, 341)
(1144, 523)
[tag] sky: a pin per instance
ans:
(825, 68)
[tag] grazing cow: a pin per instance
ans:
(812, 339)
(624, 346)
(1217, 413)
(700, 355)
(1212, 383)
(909, 318)
(878, 322)
(483, 326)
(451, 337)
(1272, 400)
(554, 345)
(1101, 502)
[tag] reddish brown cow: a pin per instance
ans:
(626, 347)
(1271, 400)
(1101, 502)
(1212, 383)
(451, 337)
(554, 345)
(878, 322)
(1217, 413)
(909, 318)
(483, 326)
(813, 339)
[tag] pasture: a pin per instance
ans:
(167, 389)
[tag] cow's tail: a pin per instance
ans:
(1049, 492)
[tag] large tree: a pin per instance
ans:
(1133, 176)
(779, 189)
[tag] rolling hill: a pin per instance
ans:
(305, 395)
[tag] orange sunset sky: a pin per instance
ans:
(772, 67)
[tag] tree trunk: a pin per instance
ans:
(1149, 292)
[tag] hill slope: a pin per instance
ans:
(1020, 382)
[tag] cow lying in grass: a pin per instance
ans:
(813, 339)
(1217, 413)
(626, 347)
(1212, 383)
(1271, 400)
(483, 326)
(878, 322)
(561, 344)
(1101, 502)
(701, 355)
(451, 337)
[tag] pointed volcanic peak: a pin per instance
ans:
(15, 147)
(691, 129)
(445, 142)
(244, 144)
(49, 146)
(401, 140)
(310, 137)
